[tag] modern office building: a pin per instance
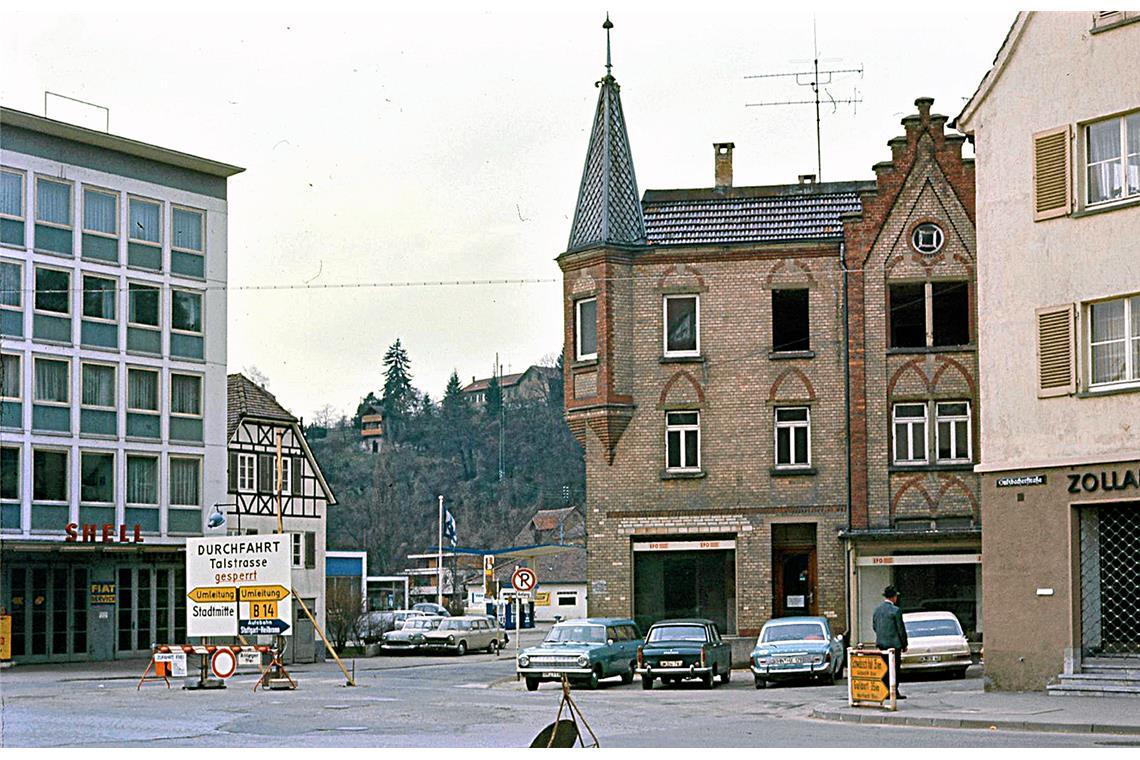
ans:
(113, 424)
(1058, 197)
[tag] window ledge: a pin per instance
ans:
(1108, 206)
(786, 472)
(692, 475)
(1095, 392)
(779, 355)
(682, 360)
(940, 467)
(967, 348)
(1114, 24)
(583, 363)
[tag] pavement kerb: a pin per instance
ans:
(896, 719)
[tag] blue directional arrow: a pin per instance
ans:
(262, 627)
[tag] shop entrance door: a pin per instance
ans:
(48, 606)
(794, 581)
(1110, 580)
(151, 608)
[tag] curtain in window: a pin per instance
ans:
(143, 305)
(10, 285)
(1133, 147)
(51, 381)
(99, 212)
(1108, 341)
(187, 229)
(142, 480)
(184, 482)
(142, 390)
(10, 376)
(98, 385)
(1104, 161)
(185, 395)
(98, 298)
(53, 202)
(11, 200)
(146, 221)
(186, 311)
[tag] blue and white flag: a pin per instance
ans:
(449, 533)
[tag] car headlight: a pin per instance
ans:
(524, 661)
(583, 661)
(450, 639)
(817, 659)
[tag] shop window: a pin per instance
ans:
(790, 330)
(682, 441)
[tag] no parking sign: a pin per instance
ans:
(524, 579)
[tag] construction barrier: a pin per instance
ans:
(165, 658)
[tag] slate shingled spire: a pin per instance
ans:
(609, 207)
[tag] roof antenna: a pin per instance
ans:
(608, 25)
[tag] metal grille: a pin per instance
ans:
(1110, 580)
(554, 661)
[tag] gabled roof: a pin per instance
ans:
(608, 210)
(1000, 60)
(506, 381)
(549, 519)
(245, 398)
(772, 213)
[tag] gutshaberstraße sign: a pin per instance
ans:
(1105, 480)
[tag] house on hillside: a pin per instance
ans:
(372, 428)
(531, 385)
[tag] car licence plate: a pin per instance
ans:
(552, 675)
(791, 660)
(932, 658)
(671, 663)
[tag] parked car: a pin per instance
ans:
(410, 636)
(431, 608)
(373, 625)
(585, 651)
(462, 634)
(935, 642)
(675, 650)
(796, 647)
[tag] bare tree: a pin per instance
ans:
(256, 375)
(343, 607)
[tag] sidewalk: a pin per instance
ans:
(1005, 711)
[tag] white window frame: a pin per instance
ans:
(170, 480)
(67, 475)
(5, 393)
(665, 324)
(157, 389)
(791, 426)
(70, 205)
(201, 312)
(51, 358)
(939, 418)
(20, 290)
(578, 355)
(152, 286)
(83, 294)
(19, 449)
(909, 422)
(1131, 357)
(23, 194)
(297, 555)
(70, 281)
(684, 429)
(161, 221)
(201, 229)
(286, 476)
(201, 399)
(247, 473)
(115, 394)
(118, 212)
(114, 474)
(127, 456)
(1124, 154)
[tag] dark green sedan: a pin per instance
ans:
(676, 650)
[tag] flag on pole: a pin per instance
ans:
(449, 529)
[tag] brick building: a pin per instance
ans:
(704, 375)
(911, 260)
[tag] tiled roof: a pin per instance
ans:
(750, 214)
(548, 519)
(506, 381)
(245, 398)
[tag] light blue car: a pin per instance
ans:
(585, 651)
(797, 648)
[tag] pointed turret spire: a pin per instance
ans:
(609, 206)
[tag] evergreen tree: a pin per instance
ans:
(368, 402)
(398, 393)
(494, 398)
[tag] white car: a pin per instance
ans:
(935, 642)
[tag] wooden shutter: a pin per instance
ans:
(1056, 355)
(297, 474)
(310, 550)
(1052, 172)
(266, 474)
(233, 473)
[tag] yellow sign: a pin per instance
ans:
(5, 637)
(263, 610)
(262, 594)
(542, 599)
(209, 594)
(869, 691)
(867, 666)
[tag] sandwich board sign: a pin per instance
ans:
(239, 585)
(871, 678)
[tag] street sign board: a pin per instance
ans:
(176, 660)
(239, 585)
(524, 579)
(870, 678)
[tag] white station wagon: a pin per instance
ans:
(935, 642)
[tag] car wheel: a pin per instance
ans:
(761, 683)
(960, 672)
(627, 678)
(532, 684)
(595, 676)
(461, 648)
(493, 647)
(646, 682)
(726, 676)
(709, 679)
(829, 679)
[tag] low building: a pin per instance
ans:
(372, 429)
(1056, 128)
(275, 484)
(531, 385)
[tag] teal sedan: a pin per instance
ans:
(796, 648)
(585, 651)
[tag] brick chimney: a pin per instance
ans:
(723, 164)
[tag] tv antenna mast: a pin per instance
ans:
(812, 79)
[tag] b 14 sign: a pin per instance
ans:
(239, 585)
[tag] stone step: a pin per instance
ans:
(1097, 679)
(1092, 689)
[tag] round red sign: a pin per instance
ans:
(524, 579)
(223, 662)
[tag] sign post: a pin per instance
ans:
(871, 678)
(523, 580)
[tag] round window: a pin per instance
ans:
(927, 238)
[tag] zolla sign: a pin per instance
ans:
(239, 585)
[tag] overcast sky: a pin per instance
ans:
(389, 147)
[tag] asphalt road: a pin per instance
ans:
(446, 701)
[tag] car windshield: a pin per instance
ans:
(793, 632)
(455, 625)
(583, 633)
(419, 624)
(940, 627)
(677, 633)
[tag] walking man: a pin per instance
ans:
(889, 630)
